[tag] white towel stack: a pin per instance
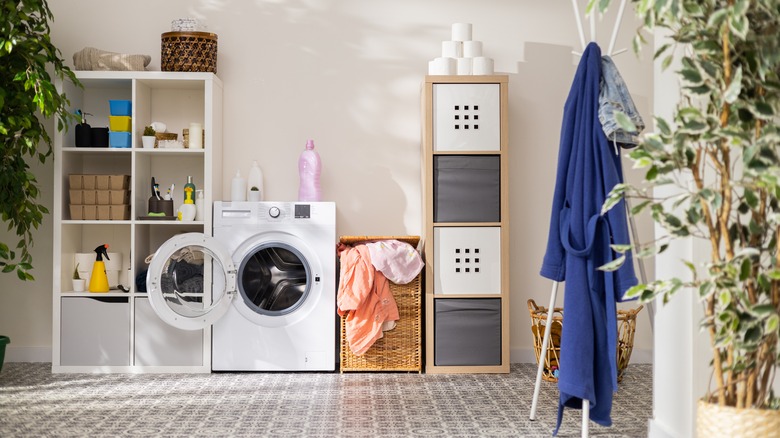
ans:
(461, 55)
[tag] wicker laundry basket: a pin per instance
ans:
(399, 349)
(626, 330)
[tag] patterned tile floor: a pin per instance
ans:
(34, 402)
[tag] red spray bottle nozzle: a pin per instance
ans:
(101, 251)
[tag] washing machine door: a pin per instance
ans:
(191, 281)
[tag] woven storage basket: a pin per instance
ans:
(399, 349)
(158, 136)
(189, 51)
(714, 421)
(626, 330)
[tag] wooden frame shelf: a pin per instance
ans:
(430, 151)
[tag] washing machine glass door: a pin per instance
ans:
(191, 281)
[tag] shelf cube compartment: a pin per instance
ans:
(466, 117)
(466, 188)
(467, 331)
(467, 260)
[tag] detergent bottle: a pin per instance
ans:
(98, 282)
(309, 168)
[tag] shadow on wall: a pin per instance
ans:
(535, 161)
(362, 114)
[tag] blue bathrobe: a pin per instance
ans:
(579, 242)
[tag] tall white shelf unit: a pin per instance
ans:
(118, 331)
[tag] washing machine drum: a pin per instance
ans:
(274, 279)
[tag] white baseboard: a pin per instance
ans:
(27, 354)
(527, 355)
(657, 430)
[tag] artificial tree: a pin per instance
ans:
(27, 56)
(721, 152)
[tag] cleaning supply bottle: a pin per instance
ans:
(309, 168)
(254, 183)
(98, 281)
(189, 191)
(199, 207)
(187, 210)
(238, 188)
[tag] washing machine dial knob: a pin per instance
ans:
(274, 212)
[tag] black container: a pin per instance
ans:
(83, 135)
(160, 206)
(99, 137)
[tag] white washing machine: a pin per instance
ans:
(268, 285)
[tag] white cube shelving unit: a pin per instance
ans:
(115, 331)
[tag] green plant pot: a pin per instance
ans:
(4, 340)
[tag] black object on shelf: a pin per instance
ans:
(99, 137)
(83, 135)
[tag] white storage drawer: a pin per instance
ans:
(95, 331)
(467, 260)
(466, 117)
(159, 344)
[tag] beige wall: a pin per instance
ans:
(347, 74)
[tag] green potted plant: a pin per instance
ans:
(720, 154)
(79, 284)
(148, 138)
(27, 55)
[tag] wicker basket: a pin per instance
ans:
(163, 136)
(626, 330)
(189, 51)
(714, 421)
(399, 349)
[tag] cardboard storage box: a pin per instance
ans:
(75, 181)
(120, 212)
(89, 197)
(88, 182)
(119, 197)
(103, 197)
(90, 212)
(119, 182)
(76, 196)
(102, 182)
(76, 212)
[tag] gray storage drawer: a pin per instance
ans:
(466, 188)
(467, 331)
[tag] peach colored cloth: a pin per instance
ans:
(364, 299)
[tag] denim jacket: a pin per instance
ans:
(614, 96)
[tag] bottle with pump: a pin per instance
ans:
(98, 281)
(238, 188)
(254, 183)
(83, 131)
(309, 168)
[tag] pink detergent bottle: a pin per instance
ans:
(309, 168)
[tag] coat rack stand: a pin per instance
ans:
(632, 225)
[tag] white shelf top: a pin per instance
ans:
(167, 79)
